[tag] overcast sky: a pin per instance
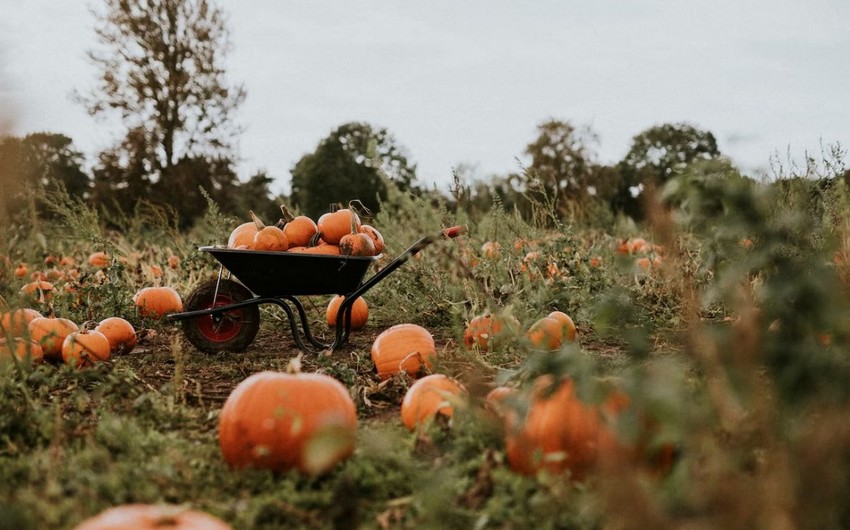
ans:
(467, 82)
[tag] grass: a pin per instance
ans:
(736, 355)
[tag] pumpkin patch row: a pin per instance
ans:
(340, 232)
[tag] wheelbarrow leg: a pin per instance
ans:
(302, 315)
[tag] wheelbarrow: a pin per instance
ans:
(223, 314)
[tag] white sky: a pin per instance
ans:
(467, 82)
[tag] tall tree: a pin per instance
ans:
(562, 159)
(161, 70)
(656, 155)
(350, 164)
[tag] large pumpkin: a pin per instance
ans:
(243, 235)
(428, 397)
(559, 432)
(156, 302)
(151, 516)
(359, 312)
(282, 421)
(406, 347)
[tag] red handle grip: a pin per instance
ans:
(455, 231)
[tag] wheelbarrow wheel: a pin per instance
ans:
(227, 331)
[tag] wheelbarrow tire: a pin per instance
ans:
(230, 331)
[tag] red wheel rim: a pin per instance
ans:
(223, 326)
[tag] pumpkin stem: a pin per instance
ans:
(257, 221)
(286, 214)
(359, 208)
(315, 239)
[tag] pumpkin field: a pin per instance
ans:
(692, 371)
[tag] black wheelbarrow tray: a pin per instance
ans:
(223, 314)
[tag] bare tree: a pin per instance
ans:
(161, 69)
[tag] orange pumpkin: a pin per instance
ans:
(568, 326)
(85, 348)
(99, 260)
(376, 236)
(156, 302)
(559, 432)
(334, 225)
(491, 249)
(484, 331)
(359, 312)
(50, 333)
(281, 421)
(242, 235)
(403, 347)
(153, 517)
(322, 248)
(21, 348)
(494, 401)
(546, 334)
(16, 323)
(173, 262)
(428, 397)
(39, 290)
(21, 270)
(300, 230)
(120, 334)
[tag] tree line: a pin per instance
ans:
(160, 67)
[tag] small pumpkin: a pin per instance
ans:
(568, 326)
(356, 242)
(50, 333)
(156, 302)
(21, 270)
(376, 236)
(39, 290)
(85, 348)
(16, 323)
(269, 238)
(484, 331)
(21, 348)
(281, 421)
(242, 235)
(359, 312)
(428, 397)
(99, 260)
(299, 230)
(403, 347)
(153, 517)
(120, 334)
(546, 334)
(173, 262)
(335, 225)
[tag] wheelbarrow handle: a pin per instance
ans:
(455, 231)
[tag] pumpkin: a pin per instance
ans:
(429, 397)
(334, 225)
(156, 302)
(491, 249)
(322, 248)
(50, 333)
(484, 331)
(85, 348)
(16, 323)
(67, 261)
(152, 516)
(356, 242)
(299, 230)
(403, 347)
(359, 312)
(270, 238)
(494, 401)
(39, 290)
(281, 421)
(559, 432)
(173, 262)
(568, 326)
(120, 334)
(99, 260)
(242, 235)
(21, 270)
(21, 348)
(546, 334)
(376, 236)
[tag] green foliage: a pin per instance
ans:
(353, 162)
